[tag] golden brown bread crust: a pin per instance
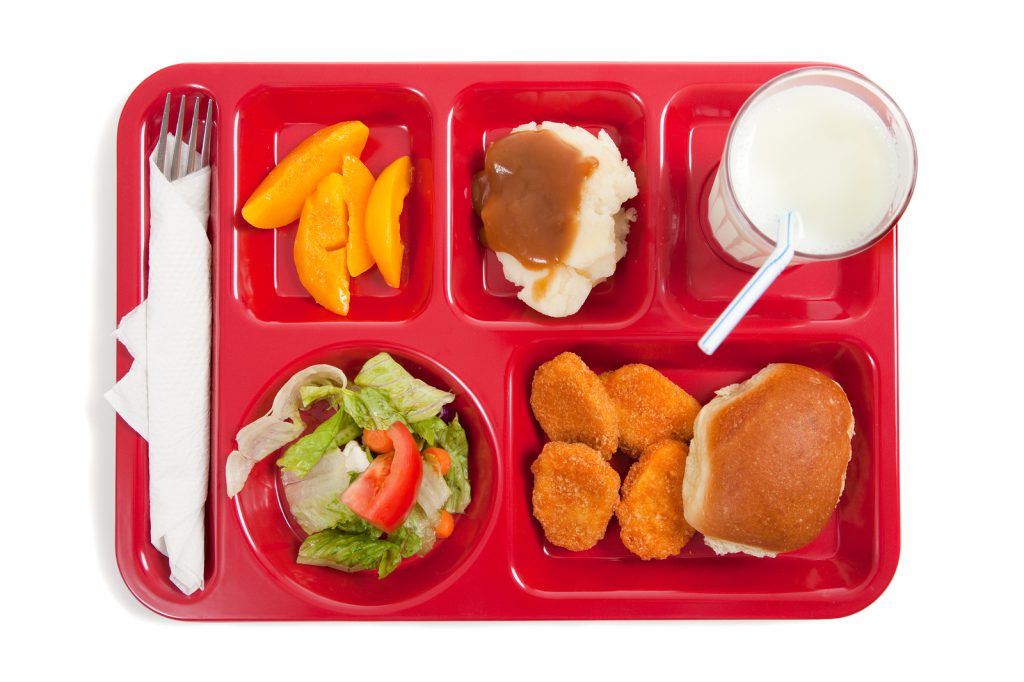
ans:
(571, 404)
(575, 493)
(650, 407)
(768, 459)
(651, 511)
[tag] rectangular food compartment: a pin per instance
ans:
(458, 321)
(271, 121)
(700, 281)
(843, 558)
(151, 567)
(484, 113)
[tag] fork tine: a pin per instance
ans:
(193, 133)
(204, 157)
(176, 155)
(161, 143)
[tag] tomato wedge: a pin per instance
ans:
(386, 491)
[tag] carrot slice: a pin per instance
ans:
(445, 526)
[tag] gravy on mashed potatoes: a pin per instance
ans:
(550, 197)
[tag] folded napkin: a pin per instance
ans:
(165, 396)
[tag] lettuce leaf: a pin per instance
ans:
(427, 429)
(348, 432)
(370, 409)
(453, 439)
(350, 552)
(420, 525)
(415, 399)
(281, 425)
(313, 392)
(313, 498)
(350, 522)
(433, 493)
(303, 454)
(407, 538)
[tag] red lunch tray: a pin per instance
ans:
(457, 324)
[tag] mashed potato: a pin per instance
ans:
(601, 237)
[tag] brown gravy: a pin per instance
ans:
(528, 196)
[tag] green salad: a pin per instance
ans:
(380, 478)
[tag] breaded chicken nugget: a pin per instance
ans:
(651, 519)
(650, 407)
(571, 404)
(575, 492)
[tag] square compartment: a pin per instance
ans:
(695, 125)
(843, 560)
(484, 113)
(271, 121)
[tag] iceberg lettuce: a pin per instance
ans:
(453, 439)
(426, 430)
(415, 399)
(281, 425)
(312, 393)
(416, 536)
(313, 498)
(371, 409)
(303, 454)
(433, 493)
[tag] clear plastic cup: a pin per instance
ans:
(745, 243)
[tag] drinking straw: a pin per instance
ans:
(762, 279)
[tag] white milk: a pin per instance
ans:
(818, 151)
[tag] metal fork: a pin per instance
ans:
(173, 171)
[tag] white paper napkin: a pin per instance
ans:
(165, 396)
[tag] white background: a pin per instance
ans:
(954, 604)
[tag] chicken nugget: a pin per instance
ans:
(571, 404)
(575, 493)
(650, 407)
(651, 522)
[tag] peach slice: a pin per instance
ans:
(358, 184)
(279, 198)
(319, 250)
(382, 219)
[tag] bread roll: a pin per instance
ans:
(768, 459)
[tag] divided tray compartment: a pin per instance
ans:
(840, 559)
(262, 505)
(456, 323)
(270, 122)
(485, 112)
(700, 282)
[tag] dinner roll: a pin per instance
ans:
(768, 459)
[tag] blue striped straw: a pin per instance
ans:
(762, 279)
